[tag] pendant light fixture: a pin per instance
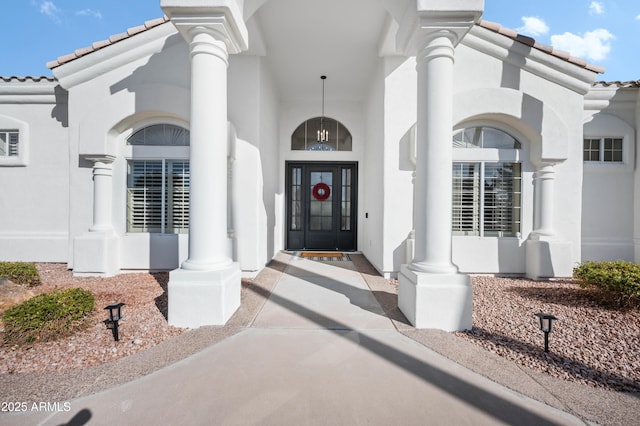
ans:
(323, 134)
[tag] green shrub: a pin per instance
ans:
(20, 273)
(48, 316)
(618, 280)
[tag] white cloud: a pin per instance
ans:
(638, 17)
(596, 8)
(89, 12)
(594, 45)
(49, 9)
(533, 26)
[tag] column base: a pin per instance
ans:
(440, 301)
(96, 254)
(198, 298)
(547, 259)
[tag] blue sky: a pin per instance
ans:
(605, 32)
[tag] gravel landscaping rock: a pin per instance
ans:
(590, 343)
(143, 325)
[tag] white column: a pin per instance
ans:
(434, 156)
(544, 191)
(432, 294)
(102, 194)
(547, 255)
(208, 158)
(206, 289)
(97, 252)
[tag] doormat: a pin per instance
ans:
(323, 256)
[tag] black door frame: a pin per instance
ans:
(297, 240)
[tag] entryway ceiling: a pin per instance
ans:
(305, 39)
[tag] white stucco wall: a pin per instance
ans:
(34, 197)
(609, 212)
(400, 108)
(253, 108)
(370, 235)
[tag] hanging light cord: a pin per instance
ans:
(323, 135)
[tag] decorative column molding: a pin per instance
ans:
(102, 193)
(206, 289)
(544, 193)
(547, 255)
(97, 252)
(221, 18)
(431, 293)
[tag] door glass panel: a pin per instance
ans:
(296, 207)
(345, 207)
(321, 196)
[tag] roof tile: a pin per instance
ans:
(100, 44)
(104, 43)
(135, 30)
(118, 37)
(531, 42)
(622, 84)
(44, 78)
(84, 51)
(513, 34)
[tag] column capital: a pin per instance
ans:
(100, 159)
(429, 19)
(544, 171)
(220, 18)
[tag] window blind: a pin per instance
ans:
(9, 143)
(158, 196)
(486, 199)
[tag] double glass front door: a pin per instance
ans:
(321, 206)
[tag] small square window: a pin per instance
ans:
(14, 142)
(9, 140)
(604, 150)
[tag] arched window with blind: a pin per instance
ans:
(158, 180)
(487, 183)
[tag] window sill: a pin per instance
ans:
(13, 162)
(607, 167)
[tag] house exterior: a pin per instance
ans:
(204, 142)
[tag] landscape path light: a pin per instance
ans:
(546, 324)
(115, 315)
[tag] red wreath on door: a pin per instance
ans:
(321, 191)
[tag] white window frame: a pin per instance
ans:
(6, 137)
(152, 153)
(605, 125)
(601, 149)
(9, 124)
(484, 156)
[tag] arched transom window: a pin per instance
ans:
(158, 180)
(160, 135)
(321, 134)
(487, 183)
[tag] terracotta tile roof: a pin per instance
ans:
(621, 84)
(13, 78)
(104, 43)
(531, 42)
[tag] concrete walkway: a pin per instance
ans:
(321, 350)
